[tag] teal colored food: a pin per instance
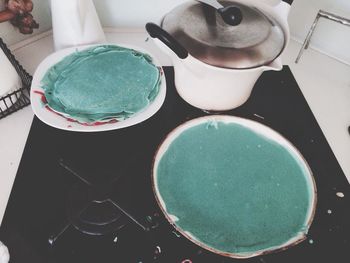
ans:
(102, 83)
(234, 190)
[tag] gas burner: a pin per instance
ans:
(92, 210)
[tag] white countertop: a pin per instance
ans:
(323, 81)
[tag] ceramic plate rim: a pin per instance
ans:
(59, 122)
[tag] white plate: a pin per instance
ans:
(57, 121)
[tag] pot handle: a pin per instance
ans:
(156, 31)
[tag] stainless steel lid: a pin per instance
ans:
(256, 41)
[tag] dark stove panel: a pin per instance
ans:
(82, 197)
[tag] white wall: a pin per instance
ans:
(41, 13)
(113, 13)
(329, 37)
(133, 12)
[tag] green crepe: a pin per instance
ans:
(234, 190)
(102, 83)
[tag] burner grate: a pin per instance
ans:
(92, 210)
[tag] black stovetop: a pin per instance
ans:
(39, 226)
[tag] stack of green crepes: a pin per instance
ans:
(101, 83)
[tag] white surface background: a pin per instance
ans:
(331, 38)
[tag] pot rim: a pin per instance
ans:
(190, 59)
(266, 9)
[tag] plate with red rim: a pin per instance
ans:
(64, 122)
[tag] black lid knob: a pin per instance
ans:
(232, 15)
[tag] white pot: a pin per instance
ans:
(218, 89)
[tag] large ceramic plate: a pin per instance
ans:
(60, 122)
(234, 186)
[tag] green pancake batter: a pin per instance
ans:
(101, 83)
(233, 189)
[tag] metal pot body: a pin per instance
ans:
(219, 89)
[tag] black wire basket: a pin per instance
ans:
(20, 98)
